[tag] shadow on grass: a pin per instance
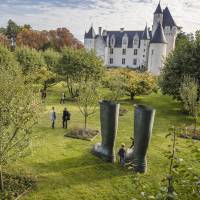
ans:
(82, 169)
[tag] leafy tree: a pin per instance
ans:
(27, 26)
(185, 60)
(189, 97)
(79, 65)
(62, 37)
(31, 38)
(6, 58)
(114, 80)
(4, 40)
(52, 59)
(18, 108)
(33, 66)
(12, 29)
(29, 59)
(3, 30)
(137, 83)
(87, 99)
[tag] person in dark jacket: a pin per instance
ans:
(65, 117)
(122, 155)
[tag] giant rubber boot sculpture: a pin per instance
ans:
(109, 113)
(143, 125)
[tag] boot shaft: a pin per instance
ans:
(109, 113)
(143, 125)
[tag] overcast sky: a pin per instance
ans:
(78, 15)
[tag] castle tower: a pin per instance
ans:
(158, 18)
(170, 30)
(157, 51)
(144, 47)
(89, 39)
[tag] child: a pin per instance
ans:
(122, 155)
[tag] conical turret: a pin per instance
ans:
(90, 34)
(159, 36)
(158, 9)
(145, 35)
(158, 18)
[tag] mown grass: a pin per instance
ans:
(65, 168)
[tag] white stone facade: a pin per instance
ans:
(136, 49)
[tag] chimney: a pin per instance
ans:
(100, 29)
(104, 33)
(121, 30)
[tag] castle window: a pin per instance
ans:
(124, 51)
(112, 41)
(143, 56)
(123, 61)
(135, 42)
(144, 50)
(111, 50)
(124, 41)
(111, 60)
(152, 52)
(134, 61)
(135, 51)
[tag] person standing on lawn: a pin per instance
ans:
(65, 117)
(122, 155)
(63, 98)
(53, 117)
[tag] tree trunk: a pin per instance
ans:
(85, 123)
(132, 96)
(1, 179)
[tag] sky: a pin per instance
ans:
(79, 15)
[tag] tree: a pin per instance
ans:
(6, 58)
(52, 59)
(115, 80)
(12, 29)
(79, 65)
(4, 40)
(87, 99)
(61, 37)
(18, 111)
(189, 96)
(33, 65)
(31, 38)
(137, 83)
(184, 60)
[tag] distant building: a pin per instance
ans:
(136, 49)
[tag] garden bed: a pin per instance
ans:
(16, 186)
(83, 134)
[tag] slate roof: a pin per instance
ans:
(90, 34)
(167, 18)
(159, 36)
(158, 9)
(119, 35)
(145, 35)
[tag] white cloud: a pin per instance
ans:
(78, 15)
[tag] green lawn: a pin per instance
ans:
(65, 169)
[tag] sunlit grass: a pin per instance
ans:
(66, 169)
